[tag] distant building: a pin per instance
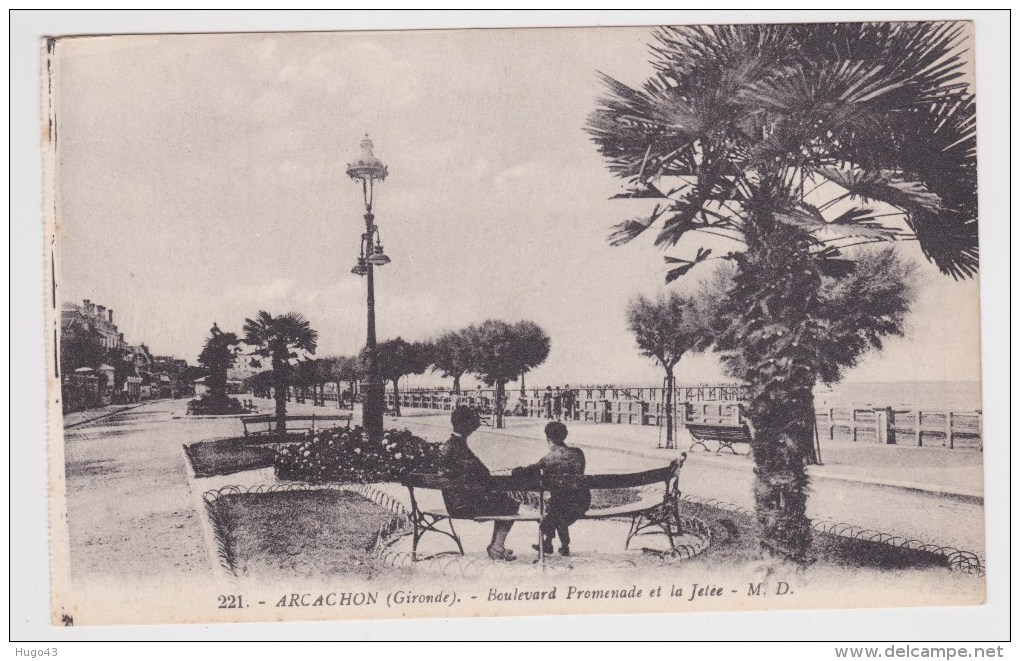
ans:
(89, 317)
(168, 377)
(168, 365)
(90, 339)
(140, 357)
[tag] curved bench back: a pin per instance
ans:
(668, 474)
(720, 432)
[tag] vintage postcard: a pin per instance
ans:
(354, 325)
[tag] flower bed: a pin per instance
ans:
(224, 456)
(212, 405)
(348, 455)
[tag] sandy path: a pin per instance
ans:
(130, 511)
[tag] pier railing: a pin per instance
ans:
(902, 426)
(645, 406)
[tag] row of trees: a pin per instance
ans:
(312, 375)
(497, 351)
(783, 149)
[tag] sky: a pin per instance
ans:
(201, 178)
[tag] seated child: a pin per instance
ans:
(566, 504)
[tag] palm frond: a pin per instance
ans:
(881, 109)
(925, 59)
(640, 131)
(886, 186)
(642, 191)
(690, 212)
(685, 265)
(629, 229)
(271, 334)
(681, 222)
(852, 223)
(948, 239)
(938, 143)
(861, 223)
(803, 88)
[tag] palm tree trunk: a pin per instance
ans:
(781, 278)
(282, 392)
(523, 392)
(456, 384)
(810, 451)
(396, 397)
(782, 432)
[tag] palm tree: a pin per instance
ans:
(280, 339)
(665, 329)
(784, 148)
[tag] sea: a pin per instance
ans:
(926, 395)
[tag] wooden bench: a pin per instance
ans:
(654, 513)
(482, 406)
(256, 426)
(724, 435)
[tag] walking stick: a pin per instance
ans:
(541, 516)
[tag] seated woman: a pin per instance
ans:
(468, 502)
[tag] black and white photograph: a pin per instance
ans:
(358, 325)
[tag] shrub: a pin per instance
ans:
(349, 455)
(209, 404)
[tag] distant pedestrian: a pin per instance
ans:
(557, 403)
(547, 402)
(569, 399)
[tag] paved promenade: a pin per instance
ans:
(132, 512)
(76, 418)
(932, 494)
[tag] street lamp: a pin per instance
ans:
(368, 170)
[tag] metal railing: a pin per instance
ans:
(902, 426)
(645, 406)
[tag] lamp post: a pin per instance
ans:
(368, 169)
